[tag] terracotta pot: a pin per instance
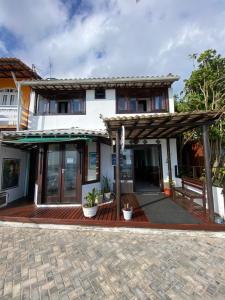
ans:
(168, 192)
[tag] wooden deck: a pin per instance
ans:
(23, 211)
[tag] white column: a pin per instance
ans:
(171, 100)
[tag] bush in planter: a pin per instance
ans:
(91, 206)
(106, 188)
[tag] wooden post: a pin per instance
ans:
(208, 175)
(18, 106)
(118, 174)
(169, 162)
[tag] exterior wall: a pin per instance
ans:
(171, 100)
(20, 191)
(91, 120)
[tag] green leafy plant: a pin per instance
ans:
(105, 184)
(92, 198)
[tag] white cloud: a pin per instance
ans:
(2, 47)
(114, 37)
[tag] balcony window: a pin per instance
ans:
(142, 100)
(62, 107)
(53, 107)
(76, 105)
(42, 105)
(122, 104)
(8, 97)
(61, 104)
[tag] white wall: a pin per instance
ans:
(20, 191)
(86, 188)
(171, 100)
(91, 120)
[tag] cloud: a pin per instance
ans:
(111, 37)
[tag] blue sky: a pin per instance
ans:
(89, 38)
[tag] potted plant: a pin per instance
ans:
(91, 206)
(127, 212)
(106, 188)
(168, 188)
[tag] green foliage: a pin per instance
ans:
(92, 198)
(105, 184)
(205, 90)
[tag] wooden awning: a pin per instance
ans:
(166, 125)
(15, 65)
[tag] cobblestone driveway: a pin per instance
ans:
(65, 264)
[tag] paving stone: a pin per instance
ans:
(66, 265)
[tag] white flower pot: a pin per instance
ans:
(107, 196)
(127, 214)
(90, 212)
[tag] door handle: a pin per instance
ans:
(63, 170)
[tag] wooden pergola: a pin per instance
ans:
(168, 125)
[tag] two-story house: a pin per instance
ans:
(68, 147)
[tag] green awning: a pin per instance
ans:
(38, 140)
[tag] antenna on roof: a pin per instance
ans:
(50, 67)
(33, 67)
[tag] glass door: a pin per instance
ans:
(62, 174)
(70, 174)
(53, 174)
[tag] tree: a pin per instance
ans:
(205, 90)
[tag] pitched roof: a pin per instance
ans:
(15, 65)
(107, 82)
(74, 131)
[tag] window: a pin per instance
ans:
(122, 105)
(53, 107)
(158, 102)
(76, 105)
(142, 106)
(62, 107)
(61, 104)
(42, 105)
(8, 97)
(133, 104)
(92, 162)
(126, 164)
(100, 94)
(142, 100)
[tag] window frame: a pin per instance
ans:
(99, 90)
(58, 99)
(9, 92)
(149, 94)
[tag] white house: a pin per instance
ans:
(69, 147)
